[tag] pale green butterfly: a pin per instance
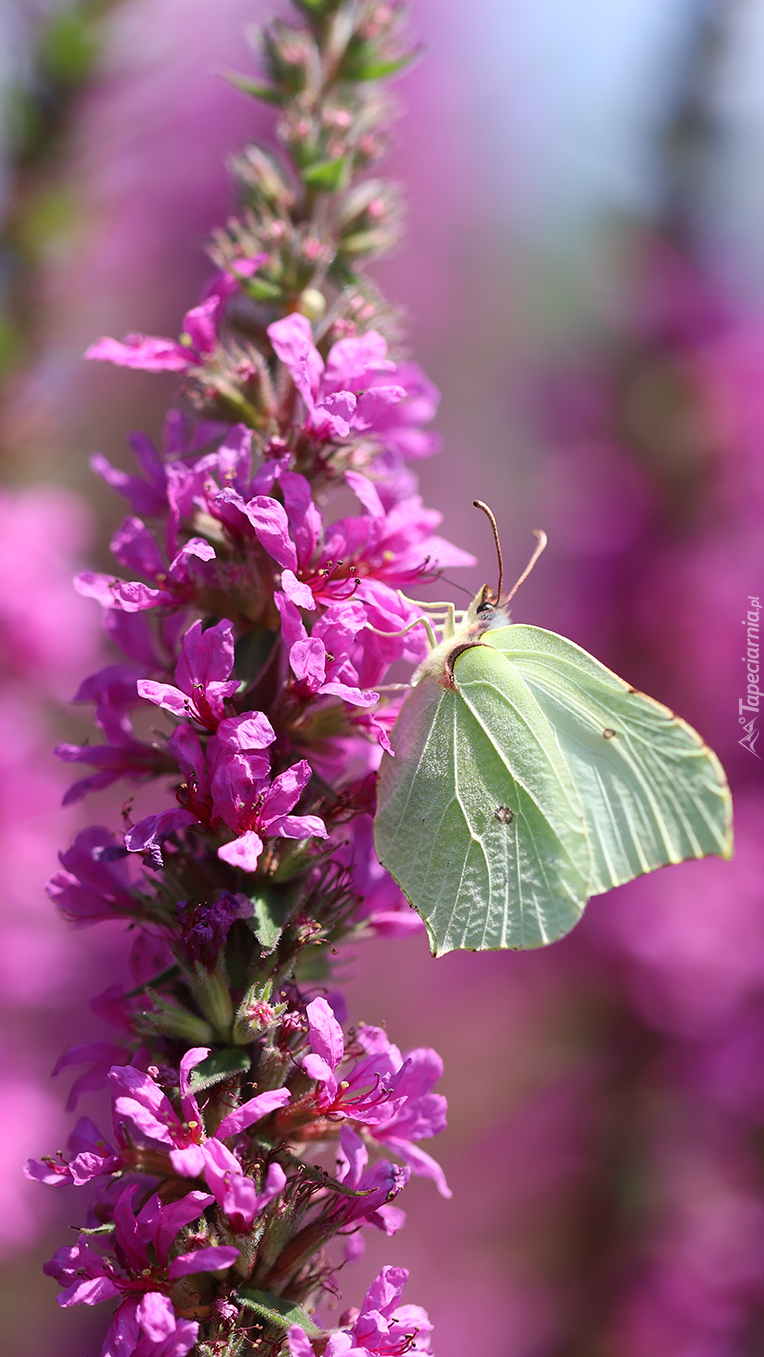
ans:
(527, 777)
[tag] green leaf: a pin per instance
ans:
(534, 781)
(262, 290)
(219, 1066)
(268, 917)
(363, 65)
(99, 1229)
(68, 49)
(275, 1310)
(255, 88)
(325, 175)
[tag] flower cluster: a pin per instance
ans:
(255, 630)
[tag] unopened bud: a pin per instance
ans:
(170, 1020)
(312, 303)
(255, 1013)
(213, 996)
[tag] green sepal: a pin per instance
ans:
(319, 1175)
(275, 1310)
(362, 242)
(325, 175)
(255, 88)
(318, 6)
(109, 1228)
(268, 917)
(217, 1067)
(341, 273)
(261, 290)
(362, 65)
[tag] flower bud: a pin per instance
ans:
(211, 991)
(255, 1013)
(170, 1020)
(312, 303)
(263, 179)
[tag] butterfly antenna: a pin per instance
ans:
(541, 541)
(478, 503)
(454, 585)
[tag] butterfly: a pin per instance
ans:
(528, 777)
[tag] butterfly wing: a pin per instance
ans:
(653, 793)
(479, 819)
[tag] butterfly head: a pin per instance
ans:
(485, 612)
(491, 604)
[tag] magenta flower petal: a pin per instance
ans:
(299, 1343)
(188, 1162)
(285, 791)
(246, 733)
(156, 1316)
(292, 625)
(269, 520)
(244, 852)
(148, 835)
(213, 1259)
(145, 1121)
(164, 695)
(299, 594)
(200, 324)
(326, 1036)
(292, 340)
(129, 595)
(89, 1291)
(206, 656)
(307, 660)
(299, 827)
(150, 353)
(252, 1111)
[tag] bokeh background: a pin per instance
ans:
(584, 279)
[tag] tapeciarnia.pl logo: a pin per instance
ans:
(748, 706)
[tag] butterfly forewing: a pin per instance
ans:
(479, 819)
(652, 792)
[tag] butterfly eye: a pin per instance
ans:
(485, 610)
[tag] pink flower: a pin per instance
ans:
(133, 545)
(192, 1154)
(202, 676)
(229, 783)
(353, 392)
(389, 1093)
(364, 1092)
(149, 834)
(139, 1271)
(151, 353)
(114, 691)
(321, 662)
(381, 1326)
(92, 1157)
(267, 816)
(94, 883)
(379, 1185)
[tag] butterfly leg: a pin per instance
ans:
(425, 622)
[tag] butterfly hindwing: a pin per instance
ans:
(479, 819)
(652, 791)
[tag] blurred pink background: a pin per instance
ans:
(584, 281)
